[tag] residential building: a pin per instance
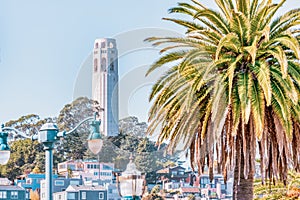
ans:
(59, 184)
(5, 181)
(172, 174)
(215, 188)
(112, 192)
(81, 192)
(105, 80)
(13, 192)
(186, 191)
(173, 185)
(88, 170)
(31, 181)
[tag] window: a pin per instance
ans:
(73, 182)
(107, 167)
(14, 195)
(112, 66)
(59, 183)
(101, 195)
(71, 195)
(88, 166)
(103, 64)
(72, 167)
(62, 166)
(223, 187)
(96, 45)
(3, 195)
(174, 173)
(95, 65)
(83, 195)
(102, 44)
(43, 185)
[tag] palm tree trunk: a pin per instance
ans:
(242, 187)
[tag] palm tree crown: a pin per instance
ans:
(233, 86)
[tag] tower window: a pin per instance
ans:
(112, 67)
(103, 64)
(95, 64)
(102, 44)
(96, 45)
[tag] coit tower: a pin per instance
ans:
(105, 84)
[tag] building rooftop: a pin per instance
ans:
(4, 181)
(10, 187)
(85, 187)
(190, 190)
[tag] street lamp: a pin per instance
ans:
(131, 182)
(48, 135)
(4, 148)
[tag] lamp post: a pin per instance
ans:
(131, 182)
(48, 135)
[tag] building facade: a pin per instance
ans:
(81, 192)
(88, 170)
(105, 84)
(13, 192)
(31, 181)
(59, 185)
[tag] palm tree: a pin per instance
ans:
(232, 86)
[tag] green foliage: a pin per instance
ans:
(271, 191)
(147, 157)
(25, 154)
(22, 158)
(154, 194)
(191, 197)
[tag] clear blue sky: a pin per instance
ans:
(44, 46)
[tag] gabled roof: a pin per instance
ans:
(163, 171)
(73, 188)
(11, 187)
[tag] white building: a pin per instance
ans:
(88, 170)
(105, 84)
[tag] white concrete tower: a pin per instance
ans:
(105, 84)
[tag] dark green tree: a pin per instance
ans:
(22, 158)
(74, 145)
(147, 159)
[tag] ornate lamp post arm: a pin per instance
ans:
(63, 133)
(15, 131)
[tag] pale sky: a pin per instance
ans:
(44, 46)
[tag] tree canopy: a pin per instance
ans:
(28, 156)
